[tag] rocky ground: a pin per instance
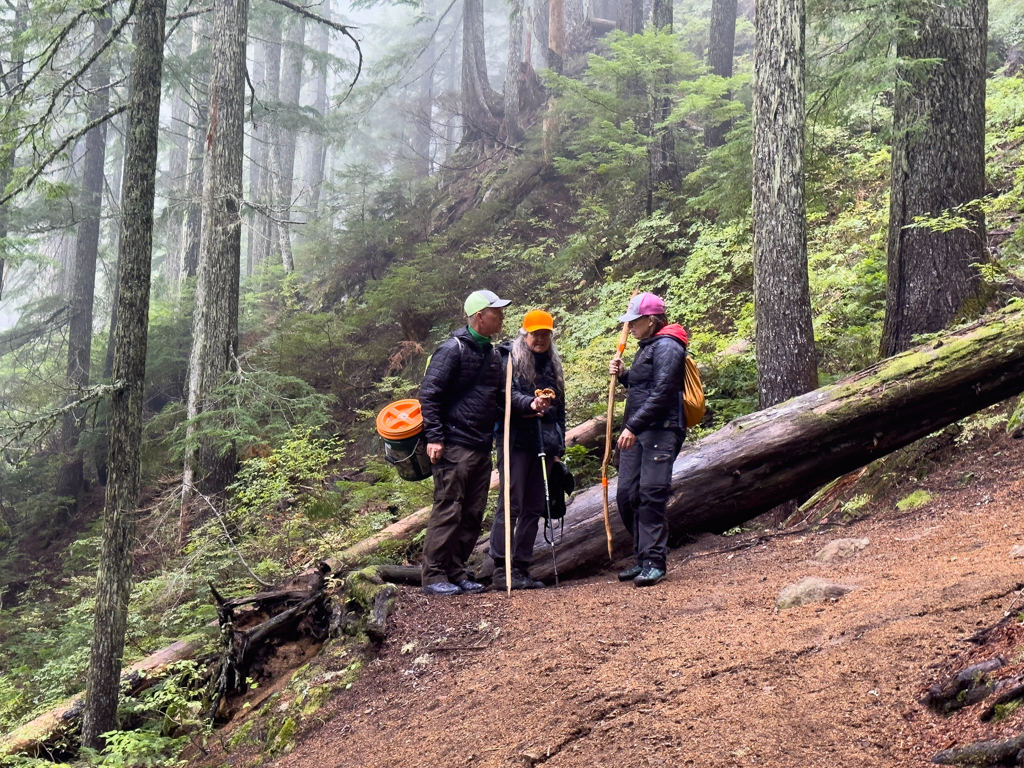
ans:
(703, 669)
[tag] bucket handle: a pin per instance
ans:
(395, 462)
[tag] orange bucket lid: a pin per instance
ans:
(400, 420)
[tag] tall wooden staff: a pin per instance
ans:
(608, 434)
(507, 493)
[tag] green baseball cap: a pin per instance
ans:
(479, 300)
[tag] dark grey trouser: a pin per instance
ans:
(462, 478)
(645, 479)
(528, 508)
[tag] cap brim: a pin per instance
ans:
(629, 317)
(500, 303)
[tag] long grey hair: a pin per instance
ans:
(523, 364)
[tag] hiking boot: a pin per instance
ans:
(470, 587)
(529, 580)
(649, 576)
(442, 589)
(630, 573)
(519, 580)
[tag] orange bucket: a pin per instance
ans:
(400, 424)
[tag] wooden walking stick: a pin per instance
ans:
(608, 435)
(506, 491)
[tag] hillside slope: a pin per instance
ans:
(702, 669)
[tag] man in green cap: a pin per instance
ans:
(459, 400)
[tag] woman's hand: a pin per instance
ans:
(434, 451)
(626, 440)
(616, 368)
(541, 404)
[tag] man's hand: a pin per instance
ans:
(434, 451)
(626, 440)
(616, 368)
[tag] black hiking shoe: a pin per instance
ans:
(442, 589)
(519, 580)
(649, 576)
(470, 587)
(630, 573)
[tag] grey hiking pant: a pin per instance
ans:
(645, 480)
(528, 508)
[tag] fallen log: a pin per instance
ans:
(589, 434)
(758, 461)
(66, 717)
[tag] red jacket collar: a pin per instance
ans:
(676, 331)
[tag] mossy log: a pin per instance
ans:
(66, 717)
(983, 753)
(758, 461)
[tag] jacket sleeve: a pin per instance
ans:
(441, 376)
(667, 378)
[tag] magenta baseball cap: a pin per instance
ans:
(643, 304)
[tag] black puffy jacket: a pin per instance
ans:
(460, 393)
(655, 382)
(524, 418)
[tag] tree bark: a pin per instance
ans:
(317, 144)
(514, 72)
(631, 16)
(191, 222)
(291, 84)
(83, 290)
(938, 164)
(256, 154)
(758, 461)
(721, 42)
(661, 168)
(266, 229)
(784, 335)
(215, 324)
(10, 80)
(113, 582)
(478, 98)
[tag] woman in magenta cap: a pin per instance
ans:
(653, 430)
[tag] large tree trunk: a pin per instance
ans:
(83, 289)
(721, 42)
(215, 324)
(266, 229)
(479, 101)
(192, 215)
(631, 16)
(10, 79)
(291, 84)
(758, 461)
(176, 170)
(784, 340)
(256, 154)
(113, 583)
(317, 145)
(938, 164)
(514, 72)
(661, 167)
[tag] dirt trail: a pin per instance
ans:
(701, 670)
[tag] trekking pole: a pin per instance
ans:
(608, 435)
(507, 493)
(547, 496)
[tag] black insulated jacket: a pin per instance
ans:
(655, 383)
(460, 393)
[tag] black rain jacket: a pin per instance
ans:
(524, 418)
(460, 393)
(655, 383)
